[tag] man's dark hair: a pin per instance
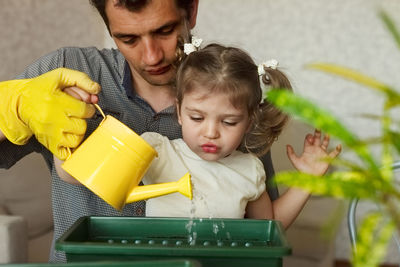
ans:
(135, 6)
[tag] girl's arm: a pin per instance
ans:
(260, 208)
(288, 206)
(313, 161)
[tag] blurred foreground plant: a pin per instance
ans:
(368, 178)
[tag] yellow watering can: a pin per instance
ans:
(112, 161)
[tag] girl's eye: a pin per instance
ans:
(230, 123)
(196, 118)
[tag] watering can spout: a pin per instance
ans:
(183, 186)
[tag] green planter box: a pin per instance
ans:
(218, 242)
(147, 263)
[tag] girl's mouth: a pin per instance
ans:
(209, 148)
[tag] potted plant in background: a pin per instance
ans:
(367, 178)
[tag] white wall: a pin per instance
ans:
(297, 32)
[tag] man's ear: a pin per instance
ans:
(193, 13)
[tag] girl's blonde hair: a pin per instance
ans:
(232, 71)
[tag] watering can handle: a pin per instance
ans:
(104, 117)
(101, 112)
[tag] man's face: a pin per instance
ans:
(148, 39)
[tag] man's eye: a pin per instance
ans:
(167, 30)
(129, 41)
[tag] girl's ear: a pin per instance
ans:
(178, 112)
(250, 125)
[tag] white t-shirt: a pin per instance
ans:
(221, 189)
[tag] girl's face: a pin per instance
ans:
(211, 126)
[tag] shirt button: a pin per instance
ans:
(139, 211)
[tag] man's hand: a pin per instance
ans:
(39, 106)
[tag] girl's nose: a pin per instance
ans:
(211, 130)
(152, 51)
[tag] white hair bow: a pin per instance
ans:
(193, 46)
(272, 63)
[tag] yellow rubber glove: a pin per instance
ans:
(39, 106)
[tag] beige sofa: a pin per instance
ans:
(26, 224)
(312, 236)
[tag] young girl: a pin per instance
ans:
(226, 125)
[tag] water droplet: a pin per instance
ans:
(215, 228)
(228, 235)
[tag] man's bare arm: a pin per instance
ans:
(2, 137)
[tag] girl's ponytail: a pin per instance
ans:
(269, 121)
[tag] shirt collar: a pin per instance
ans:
(127, 81)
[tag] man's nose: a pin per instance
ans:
(152, 52)
(211, 130)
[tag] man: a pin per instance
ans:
(136, 88)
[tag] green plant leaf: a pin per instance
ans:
(337, 184)
(387, 158)
(310, 113)
(390, 26)
(393, 97)
(372, 239)
(346, 164)
(306, 111)
(392, 138)
(395, 138)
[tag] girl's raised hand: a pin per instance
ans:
(315, 152)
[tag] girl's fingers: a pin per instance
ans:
(317, 137)
(291, 154)
(325, 142)
(336, 151)
(308, 140)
